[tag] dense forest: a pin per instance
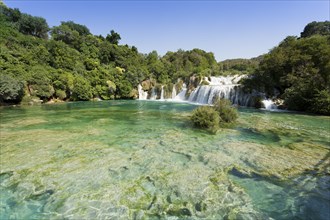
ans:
(68, 62)
(298, 70)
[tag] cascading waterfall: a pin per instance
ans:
(153, 95)
(142, 94)
(182, 94)
(227, 87)
(221, 87)
(162, 94)
(173, 92)
(269, 104)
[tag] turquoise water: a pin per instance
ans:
(144, 160)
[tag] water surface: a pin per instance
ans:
(143, 159)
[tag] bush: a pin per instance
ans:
(60, 94)
(321, 103)
(206, 117)
(211, 118)
(11, 90)
(82, 90)
(227, 113)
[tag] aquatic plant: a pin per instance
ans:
(221, 114)
(227, 112)
(206, 117)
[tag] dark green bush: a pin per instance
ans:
(227, 113)
(321, 103)
(11, 90)
(211, 118)
(60, 94)
(82, 90)
(206, 117)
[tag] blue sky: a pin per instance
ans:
(229, 29)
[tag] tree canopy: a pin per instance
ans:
(298, 71)
(74, 64)
(313, 28)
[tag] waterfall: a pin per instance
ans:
(153, 95)
(162, 94)
(269, 104)
(142, 94)
(182, 94)
(227, 87)
(221, 87)
(173, 92)
(206, 94)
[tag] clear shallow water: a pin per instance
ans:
(140, 159)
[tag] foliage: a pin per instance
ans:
(105, 68)
(321, 102)
(227, 113)
(221, 114)
(113, 37)
(11, 90)
(60, 94)
(297, 70)
(39, 82)
(81, 29)
(313, 28)
(77, 65)
(35, 26)
(183, 64)
(67, 35)
(239, 66)
(25, 23)
(206, 117)
(81, 90)
(11, 15)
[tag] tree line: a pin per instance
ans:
(68, 62)
(298, 70)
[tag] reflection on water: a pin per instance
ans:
(141, 159)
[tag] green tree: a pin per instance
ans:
(39, 82)
(113, 37)
(313, 28)
(65, 34)
(35, 26)
(297, 69)
(81, 29)
(11, 15)
(81, 90)
(62, 56)
(124, 89)
(11, 90)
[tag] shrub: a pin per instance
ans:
(206, 117)
(11, 90)
(321, 103)
(211, 118)
(82, 90)
(227, 113)
(60, 94)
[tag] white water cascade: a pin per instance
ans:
(227, 87)
(153, 95)
(142, 94)
(173, 92)
(182, 94)
(269, 104)
(221, 87)
(162, 94)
